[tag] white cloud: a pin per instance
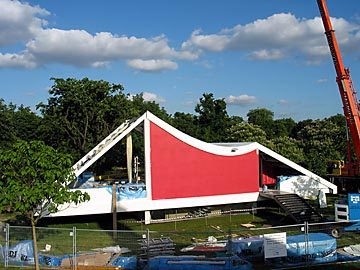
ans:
(322, 80)
(278, 36)
(241, 100)
(52, 45)
(267, 54)
(215, 42)
(22, 23)
(19, 21)
(17, 60)
(152, 65)
(275, 37)
(147, 96)
(283, 102)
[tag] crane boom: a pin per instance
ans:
(347, 92)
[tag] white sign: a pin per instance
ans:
(275, 245)
(355, 198)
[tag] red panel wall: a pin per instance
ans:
(179, 170)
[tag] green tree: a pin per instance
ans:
(212, 118)
(185, 122)
(7, 126)
(283, 127)
(341, 137)
(263, 118)
(34, 182)
(289, 148)
(81, 113)
(25, 122)
(235, 120)
(319, 140)
(246, 132)
(296, 131)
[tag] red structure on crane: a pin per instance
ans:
(350, 169)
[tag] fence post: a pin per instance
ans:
(74, 248)
(176, 215)
(7, 239)
(114, 211)
(148, 245)
(229, 243)
(306, 226)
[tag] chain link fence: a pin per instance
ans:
(263, 246)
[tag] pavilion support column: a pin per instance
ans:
(114, 211)
(147, 217)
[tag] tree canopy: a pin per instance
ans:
(212, 118)
(35, 180)
(80, 113)
(263, 118)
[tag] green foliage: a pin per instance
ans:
(235, 120)
(246, 132)
(298, 127)
(289, 148)
(7, 134)
(141, 106)
(283, 127)
(80, 113)
(340, 136)
(320, 139)
(263, 118)
(17, 122)
(186, 122)
(34, 180)
(212, 118)
(26, 123)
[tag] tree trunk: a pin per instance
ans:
(35, 248)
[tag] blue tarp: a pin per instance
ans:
(129, 191)
(50, 260)
(128, 263)
(314, 247)
(126, 191)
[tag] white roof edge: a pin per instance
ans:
(204, 146)
(297, 167)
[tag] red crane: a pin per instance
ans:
(349, 100)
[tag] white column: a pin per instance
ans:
(147, 217)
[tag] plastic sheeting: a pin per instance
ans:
(314, 247)
(129, 191)
(197, 262)
(22, 253)
(128, 263)
(304, 186)
(251, 248)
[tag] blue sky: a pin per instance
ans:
(253, 53)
